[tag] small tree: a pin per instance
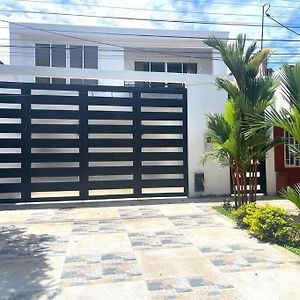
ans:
(249, 94)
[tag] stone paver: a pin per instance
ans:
(170, 251)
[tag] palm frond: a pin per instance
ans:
(292, 194)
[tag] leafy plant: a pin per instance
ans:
(270, 223)
(292, 194)
(245, 210)
(227, 204)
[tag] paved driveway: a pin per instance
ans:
(171, 251)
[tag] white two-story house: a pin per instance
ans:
(67, 54)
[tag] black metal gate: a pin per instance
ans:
(71, 142)
(261, 179)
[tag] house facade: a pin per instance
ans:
(287, 166)
(65, 54)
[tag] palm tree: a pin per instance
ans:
(248, 94)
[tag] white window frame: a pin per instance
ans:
(289, 160)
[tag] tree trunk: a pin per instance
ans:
(233, 182)
(255, 180)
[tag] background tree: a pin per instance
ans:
(249, 94)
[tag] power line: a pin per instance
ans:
(80, 39)
(282, 25)
(234, 3)
(142, 9)
(145, 35)
(145, 19)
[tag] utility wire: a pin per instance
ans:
(80, 39)
(143, 35)
(76, 4)
(282, 25)
(145, 19)
(197, 2)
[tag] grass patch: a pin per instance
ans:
(225, 212)
(228, 212)
(295, 250)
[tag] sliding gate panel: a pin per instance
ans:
(111, 159)
(163, 130)
(71, 142)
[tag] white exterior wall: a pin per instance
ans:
(209, 100)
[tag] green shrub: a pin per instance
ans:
(270, 223)
(243, 211)
(295, 236)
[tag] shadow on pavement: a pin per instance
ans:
(24, 265)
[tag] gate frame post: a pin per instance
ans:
(25, 143)
(137, 149)
(83, 144)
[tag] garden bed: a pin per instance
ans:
(266, 223)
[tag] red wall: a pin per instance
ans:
(284, 176)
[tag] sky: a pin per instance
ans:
(226, 15)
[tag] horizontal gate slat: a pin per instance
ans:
(162, 129)
(50, 172)
(51, 128)
(7, 157)
(162, 169)
(110, 156)
(111, 171)
(10, 172)
(110, 184)
(55, 186)
(54, 114)
(161, 116)
(110, 115)
(110, 129)
(10, 143)
(162, 143)
(10, 113)
(161, 102)
(162, 156)
(11, 128)
(110, 142)
(55, 157)
(109, 101)
(10, 188)
(55, 143)
(163, 183)
(55, 100)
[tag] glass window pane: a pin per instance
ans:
(157, 67)
(190, 68)
(141, 66)
(42, 79)
(42, 55)
(175, 85)
(58, 55)
(157, 84)
(174, 67)
(76, 56)
(90, 57)
(57, 80)
(76, 81)
(90, 81)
